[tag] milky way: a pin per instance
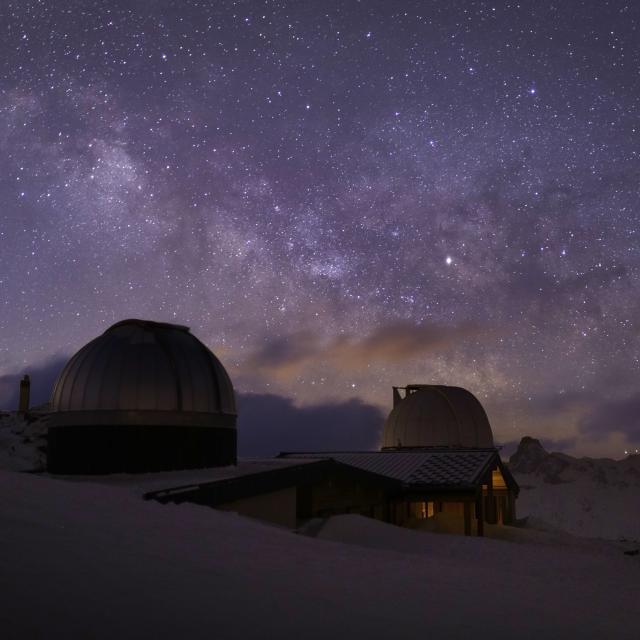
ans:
(336, 196)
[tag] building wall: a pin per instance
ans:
(338, 494)
(278, 507)
(135, 448)
(441, 515)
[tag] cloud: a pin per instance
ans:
(390, 344)
(403, 340)
(560, 403)
(268, 424)
(600, 421)
(613, 416)
(43, 376)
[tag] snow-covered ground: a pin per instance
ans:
(82, 560)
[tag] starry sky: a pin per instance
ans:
(336, 197)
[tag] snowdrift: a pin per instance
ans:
(83, 560)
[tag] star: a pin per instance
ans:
(308, 173)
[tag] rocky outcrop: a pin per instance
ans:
(532, 457)
(23, 441)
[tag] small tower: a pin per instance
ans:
(25, 391)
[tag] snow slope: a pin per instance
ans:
(84, 560)
(598, 498)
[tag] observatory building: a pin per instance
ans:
(143, 396)
(437, 445)
(437, 470)
(436, 416)
(148, 397)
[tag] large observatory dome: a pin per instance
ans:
(138, 365)
(436, 416)
(142, 396)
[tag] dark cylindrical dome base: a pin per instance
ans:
(103, 449)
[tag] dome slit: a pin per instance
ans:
(458, 439)
(171, 361)
(215, 376)
(99, 377)
(76, 368)
(58, 387)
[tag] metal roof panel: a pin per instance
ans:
(418, 468)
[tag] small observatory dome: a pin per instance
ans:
(143, 396)
(436, 416)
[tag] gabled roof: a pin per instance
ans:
(398, 471)
(419, 468)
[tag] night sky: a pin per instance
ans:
(335, 197)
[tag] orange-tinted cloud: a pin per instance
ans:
(389, 344)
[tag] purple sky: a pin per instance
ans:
(336, 197)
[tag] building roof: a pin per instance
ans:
(186, 479)
(250, 478)
(419, 468)
(437, 416)
(398, 471)
(143, 366)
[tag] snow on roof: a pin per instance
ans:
(189, 478)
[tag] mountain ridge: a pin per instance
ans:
(590, 497)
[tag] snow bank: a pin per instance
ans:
(85, 560)
(581, 507)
